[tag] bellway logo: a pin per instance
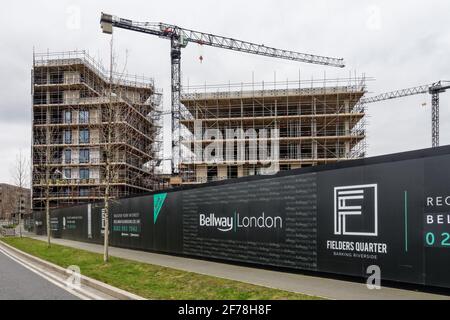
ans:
(235, 222)
(356, 210)
(158, 202)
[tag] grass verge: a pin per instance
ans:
(150, 281)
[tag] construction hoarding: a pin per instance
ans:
(392, 212)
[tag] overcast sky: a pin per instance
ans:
(399, 43)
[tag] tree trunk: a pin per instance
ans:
(47, 216)
(106, 244)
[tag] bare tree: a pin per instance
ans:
(21, 171)
(108, 156)
(20, 175)
(110, 134)
(123, 118)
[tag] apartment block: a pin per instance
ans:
(86, 118)
(296, 124)
(14, 201)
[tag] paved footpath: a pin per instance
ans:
(323, 287)
(19, 283)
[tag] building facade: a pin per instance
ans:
(88, 122)
(14, 201)
(252, 130)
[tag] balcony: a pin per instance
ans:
(64, 122)
(67, 182)
(123, 178)
(77, 194)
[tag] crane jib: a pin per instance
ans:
(434, 90)
(168, 31)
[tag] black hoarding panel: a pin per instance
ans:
(167, 222)
(269, 222)
(435, 235)
(371, 216)
(127, 223)
(73, 223)
(96, 220)
(39, 223)
(144, 206)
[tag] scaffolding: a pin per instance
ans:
(72, 97)
(316, 122)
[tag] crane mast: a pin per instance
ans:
(434, 89)
(180, 37)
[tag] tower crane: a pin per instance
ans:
(434, 89)
(179, 39)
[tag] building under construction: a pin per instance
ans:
(91, 126)
(316, 122)
(82, 113)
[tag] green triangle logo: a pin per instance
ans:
(158, 202)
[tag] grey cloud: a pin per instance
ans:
(411, 47)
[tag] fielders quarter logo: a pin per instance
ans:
(356, 210)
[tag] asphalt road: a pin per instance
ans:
(19, 283)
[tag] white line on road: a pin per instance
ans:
(79, 292)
